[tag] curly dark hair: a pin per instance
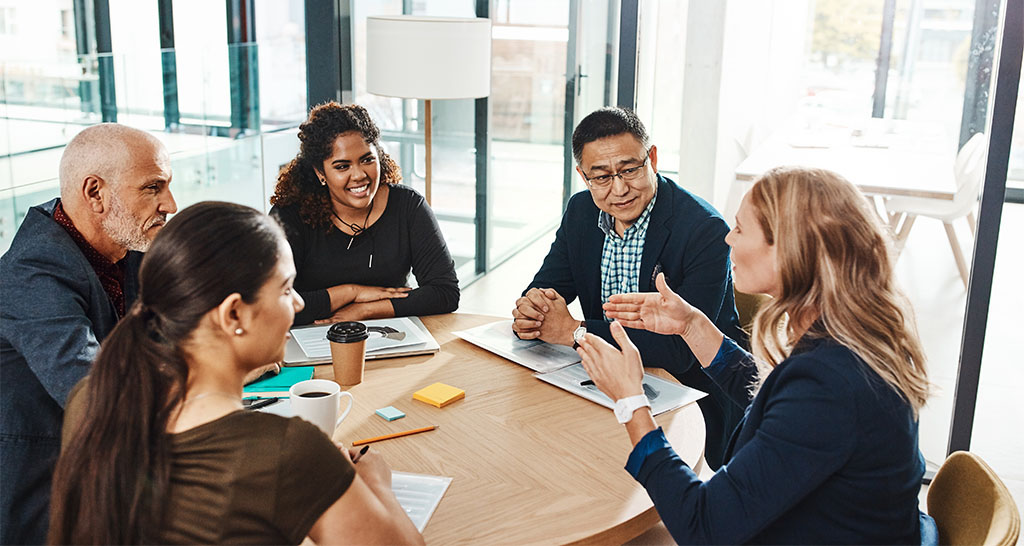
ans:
(297, 182)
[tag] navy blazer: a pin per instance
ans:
(55, 313)
(827, 454)
(685, 240)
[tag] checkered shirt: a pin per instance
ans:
(621, 256)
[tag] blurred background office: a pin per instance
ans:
(891, 87)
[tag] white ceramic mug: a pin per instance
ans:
(324, 410)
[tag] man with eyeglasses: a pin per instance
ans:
(616, 238)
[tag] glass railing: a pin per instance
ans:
(218, 150)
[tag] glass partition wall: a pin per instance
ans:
(226, 99)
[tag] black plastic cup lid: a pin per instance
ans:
(347, 332)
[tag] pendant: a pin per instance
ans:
(353, 238)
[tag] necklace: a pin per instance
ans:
(356, 228)
(233, 397)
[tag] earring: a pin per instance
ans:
(239, 331)
(323, 182)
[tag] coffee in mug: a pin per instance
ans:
(319, 402)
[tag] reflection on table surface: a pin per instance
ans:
(531, 463)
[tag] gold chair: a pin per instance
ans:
(971, 505)
(747, 306)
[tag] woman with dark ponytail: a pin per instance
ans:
(156, 447)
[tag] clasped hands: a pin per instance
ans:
(543, 314)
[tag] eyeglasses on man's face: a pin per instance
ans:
(602, 181)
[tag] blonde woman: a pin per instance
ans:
(827, 451)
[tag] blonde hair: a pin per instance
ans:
(834, 260)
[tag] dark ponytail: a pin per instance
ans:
(112, 477)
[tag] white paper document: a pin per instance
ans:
(419, 494)
(384, 334)
(663, 395)
(497, 337)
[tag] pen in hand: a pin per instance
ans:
(360, 454)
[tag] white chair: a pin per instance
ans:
(968, 172)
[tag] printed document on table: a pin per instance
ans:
(384, 334)
(497, 337)
(419, 494)
(662, 394)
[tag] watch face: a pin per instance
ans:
(578, 334)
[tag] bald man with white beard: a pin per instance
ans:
(71, 272)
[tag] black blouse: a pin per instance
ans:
(405, 237)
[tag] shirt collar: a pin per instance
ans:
(606, 221)
(98, 261)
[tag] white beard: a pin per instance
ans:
(124, 228)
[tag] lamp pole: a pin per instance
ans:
(426, 133)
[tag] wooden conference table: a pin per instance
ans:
(531, 463)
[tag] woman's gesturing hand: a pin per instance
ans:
(661, 312)
(617, 373)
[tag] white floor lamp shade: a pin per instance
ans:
(428, 58)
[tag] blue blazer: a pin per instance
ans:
(826, 454)
(685, 240)
(54, 315)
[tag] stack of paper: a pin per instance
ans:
(419, 494)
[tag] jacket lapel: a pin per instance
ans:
(590, 268)
(657, 235)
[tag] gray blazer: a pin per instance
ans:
(53, 315)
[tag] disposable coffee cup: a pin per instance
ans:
(319, 402)
(348, 352)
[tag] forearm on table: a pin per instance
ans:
(428, 300)
(369, 310)
(341, 295)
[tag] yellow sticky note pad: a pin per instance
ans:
(439, 394)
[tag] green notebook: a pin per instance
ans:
(282, 381)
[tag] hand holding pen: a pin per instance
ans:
(372, 469)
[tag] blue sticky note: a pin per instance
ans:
(282, 381)
(390, 413)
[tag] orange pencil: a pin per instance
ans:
(393, 435)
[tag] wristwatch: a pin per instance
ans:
(578, 334)
(624, 407)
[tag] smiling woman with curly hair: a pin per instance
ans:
(355, 231)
